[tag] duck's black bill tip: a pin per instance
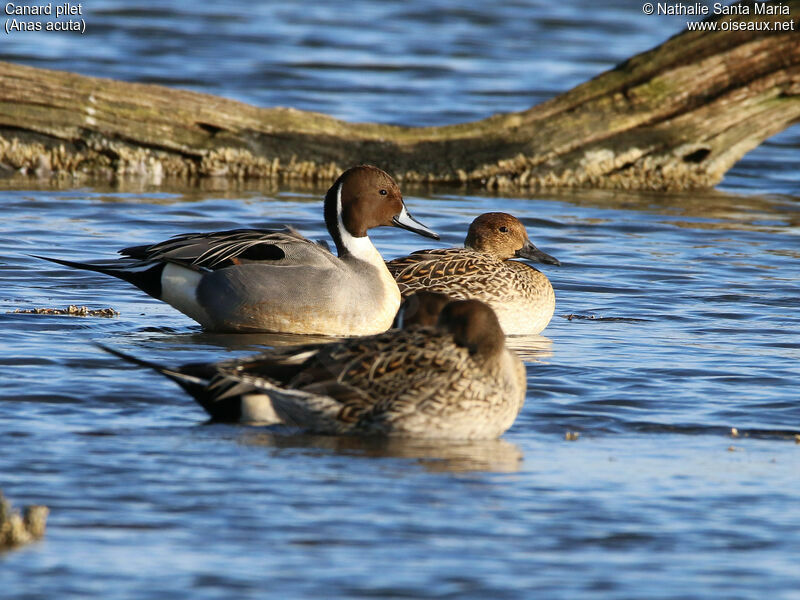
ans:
(533, 253)
(406, 221)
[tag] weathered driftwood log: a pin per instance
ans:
(675, 117)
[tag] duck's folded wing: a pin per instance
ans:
(315, 409)
(420, 256)
(358, 385)
(280, 365)
(225, 248)
(424, 268)
(324, 408)
(385, 365)
(376, 362)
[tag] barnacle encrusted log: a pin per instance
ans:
(675, 117)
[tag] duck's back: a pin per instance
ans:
(415, 382)
(427, 386)
(306, 292)
(522, 296)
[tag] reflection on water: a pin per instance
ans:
(245, 341)
(704, 209)
(694, 333)
(531, 348)
(700, 209)
(497, 456)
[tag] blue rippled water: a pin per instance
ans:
(677, 320)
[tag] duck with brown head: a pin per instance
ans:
(421, 308)
(248, 280)
(456, 380)
(521, 296)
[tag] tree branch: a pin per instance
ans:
(675, 117)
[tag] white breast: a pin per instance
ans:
(179, 289)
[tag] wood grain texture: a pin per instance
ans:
(675, 117)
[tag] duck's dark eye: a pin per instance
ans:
(384, 192)
(504, 229)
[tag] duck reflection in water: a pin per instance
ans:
(493, 456)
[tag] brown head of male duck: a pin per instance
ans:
(277, 280)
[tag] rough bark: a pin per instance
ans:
(675, 117)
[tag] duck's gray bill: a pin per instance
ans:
(531, 252)
(406, 221)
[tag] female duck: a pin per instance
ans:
(249, 280)
(521, 296)
(453, 381)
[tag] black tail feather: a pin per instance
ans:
(146, 276)
(195, 379)
(99, 268)
(194, 385)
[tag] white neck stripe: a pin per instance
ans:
(359, 247)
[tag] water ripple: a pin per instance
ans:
(656, 453)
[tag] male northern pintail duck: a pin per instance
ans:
(522, 296)
(249, 280)
(453, 381)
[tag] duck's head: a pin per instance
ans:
(365, 197)
(474, 326)
(503, 236)
(420, 309)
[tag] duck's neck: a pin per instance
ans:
(347, 245)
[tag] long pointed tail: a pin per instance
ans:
(180, 377)
(219, 396)
(144, 275)
(105, 268)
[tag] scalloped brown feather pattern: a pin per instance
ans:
(414, 382)
(521, 295)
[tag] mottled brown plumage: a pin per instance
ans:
(420, 308)
(521, 296)
(456, 380)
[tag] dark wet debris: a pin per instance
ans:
(572, 316)
(71, 310)
(18, 529)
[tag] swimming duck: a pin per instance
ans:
(522, 296)
(248, 280)
(453, 381)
